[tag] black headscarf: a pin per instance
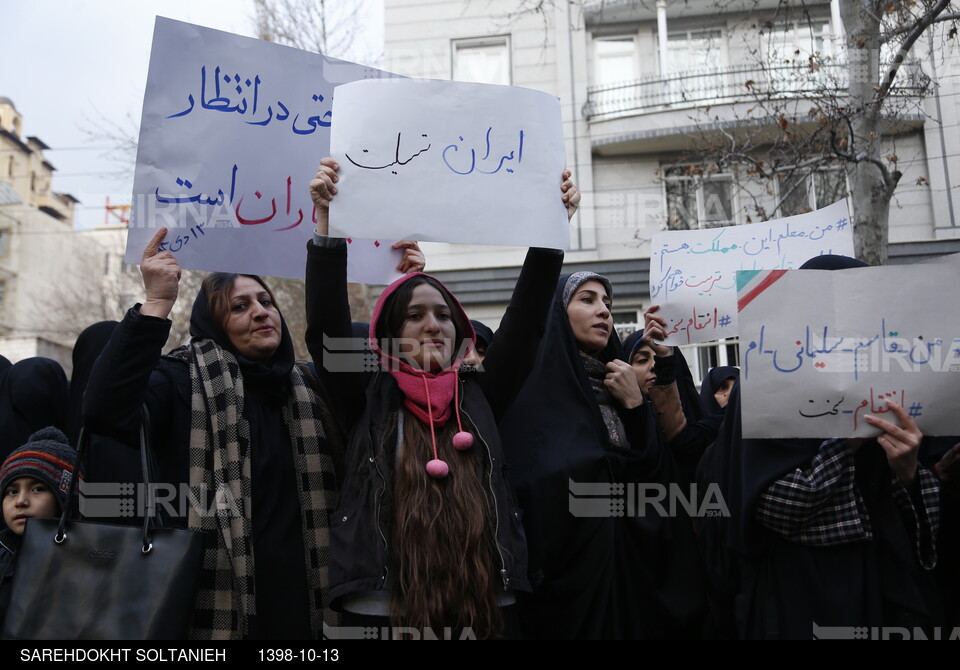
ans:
(33, 395)
(483, 332)
(107, 460)
(631, 344)
(85, 352)
(832, 262)
(693, 409)
(701, 425)
(274, 376)
(593, 577)
(712, 383)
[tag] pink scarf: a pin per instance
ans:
(431, 398)
(428, 396)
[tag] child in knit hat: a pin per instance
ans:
(34, 481)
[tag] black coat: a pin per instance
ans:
(131, 371)
(360, 525)
(9, 543)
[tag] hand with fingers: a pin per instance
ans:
(654, 332)
(901, 443)
(948, 467)
(413, 259)
(621, 380)
(571, 194)
(322, 190)
(161, 278)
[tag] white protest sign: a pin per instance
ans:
(374, 260)
(445, 161)
(232, 132)
(820, 350)
(692, 272)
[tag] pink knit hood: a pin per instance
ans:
(431, 397)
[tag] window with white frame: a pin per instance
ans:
(797, 41)
(794, 52)
(681, 200)
(797, 194)
(4, 242)
(793, 195)
(626, 321)
(695, 60)
(484, 60)
(701, 358)
(829, 186)
(699, 202)
(3, 293)
(616, 59)
(694, 52)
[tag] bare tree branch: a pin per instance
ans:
(911, 37)
(320, 26)
(900, 30)
(122, 138)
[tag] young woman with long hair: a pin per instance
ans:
(427, 534)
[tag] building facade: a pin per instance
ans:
(640, 83)
(54, 280)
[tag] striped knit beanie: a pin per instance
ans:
(47, 457)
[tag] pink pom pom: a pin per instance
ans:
(437, 469)
(463, 440)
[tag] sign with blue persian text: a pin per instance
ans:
(232, 132)
(693, 272)
(445, 161)
(820, 350)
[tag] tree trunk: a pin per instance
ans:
(871, 212)
(870, 191)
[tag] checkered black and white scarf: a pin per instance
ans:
(220, 465)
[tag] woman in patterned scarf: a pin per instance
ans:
(242, 424)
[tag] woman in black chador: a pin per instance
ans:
(828, 535)
(581, 421)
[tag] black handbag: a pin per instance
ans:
(81, 580)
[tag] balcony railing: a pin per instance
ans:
(727, 85)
